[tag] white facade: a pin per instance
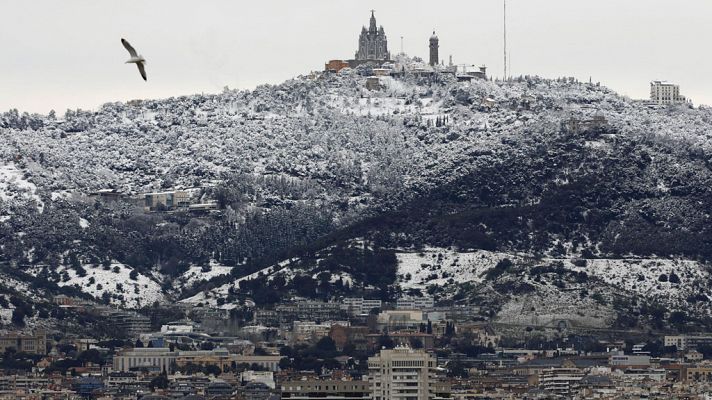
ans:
(359, 305)
(415, 303)
(266, 377)
(402, 374)
(665, 93)
(685, 342)
(153, 359)
(561, 381)
(621, 360)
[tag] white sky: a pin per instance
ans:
(67, 54)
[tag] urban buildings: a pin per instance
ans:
(391, 320)
(402, 374)
(151, 359)
(360, 306)
(686, 342)
(129, 323)
(415, 303)
(662, 92)
(326, 390)
(560, 381)
(31, 344)
(163, 359)
(169, 200)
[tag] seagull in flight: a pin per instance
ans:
(135, 58)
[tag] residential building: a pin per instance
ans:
(219, 389)
(415, 303)
(306, 310)
(266, 377)
(359, 306)
(169, 200)
(685, 342)
(662, 92)
(309, 331)
(698, 373)
(129, 323)
(624, 361)
(399, 319)
(402, 373)
(32, 344)
(560, 381)
(256, 391)
(325, 390)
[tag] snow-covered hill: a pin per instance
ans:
(461, 189)
(113, 281)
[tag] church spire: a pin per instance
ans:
(372, 26)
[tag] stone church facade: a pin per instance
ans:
(372, 43)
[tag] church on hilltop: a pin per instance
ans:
(372, 47)
(372, 43)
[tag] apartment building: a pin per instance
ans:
(415, 303)
(32, 344)
(325, 390)
(686, 342)
(403, 374)
(358, 306)
(561, 381)
(662, 92)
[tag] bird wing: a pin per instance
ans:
(142, 70)
(131, 50)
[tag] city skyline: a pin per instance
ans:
(194, 50)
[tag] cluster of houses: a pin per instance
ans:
(374, 350)
(170, 200)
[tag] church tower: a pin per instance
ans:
(372, 43)
(434, 49)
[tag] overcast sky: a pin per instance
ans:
(67, 54)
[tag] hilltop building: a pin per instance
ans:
(434, 44)
(662, 92)
(372, 43)
(372, 47)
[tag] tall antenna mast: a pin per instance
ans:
(505, 40)
(402, 45)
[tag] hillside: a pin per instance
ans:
(419, 187)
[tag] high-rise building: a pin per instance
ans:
(372, 43)
(665, 93)
(434, 44)
(403, 374)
